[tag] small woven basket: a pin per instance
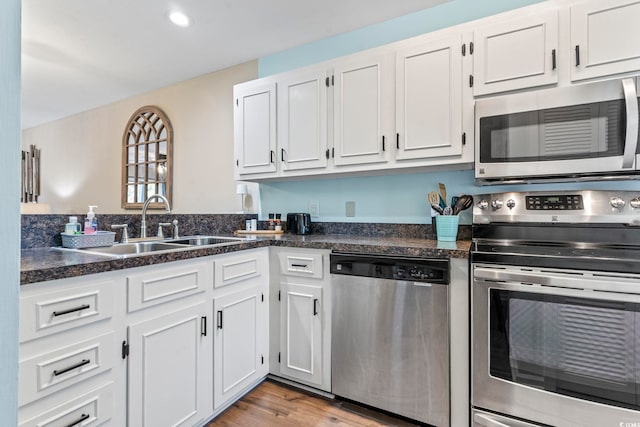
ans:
(78, 241)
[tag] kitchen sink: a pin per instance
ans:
(206, 240)
(125, 250)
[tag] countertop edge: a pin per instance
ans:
(64, 265)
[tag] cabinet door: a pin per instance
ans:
(169, 355)
(363, 109)
(516, 54)
(255, 127)
(241, 342)
(302, 119)
(301, 332)
(429, 99)
(604, 38)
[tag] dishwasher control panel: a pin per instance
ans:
(390, 267)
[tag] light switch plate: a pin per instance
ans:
(314, 208)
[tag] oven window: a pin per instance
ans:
(573, 346)
(574, 132)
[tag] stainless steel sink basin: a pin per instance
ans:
(207, 240)
(124, 250)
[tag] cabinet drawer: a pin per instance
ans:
(45, 314)
(239, 267)
(53, 371)
(93, 408)
(162, 284)
(301, 264)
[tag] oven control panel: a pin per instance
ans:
(559, 202)
(573, 206)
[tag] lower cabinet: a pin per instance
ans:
(240, 343)
(167, 384)
(302, 340)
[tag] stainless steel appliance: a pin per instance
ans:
(555, 297)
(390, 334)
(299, 223)
(585, 131)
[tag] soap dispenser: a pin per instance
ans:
(91, 222)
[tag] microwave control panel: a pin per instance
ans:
(555, 202)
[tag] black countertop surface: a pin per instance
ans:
(43, 264)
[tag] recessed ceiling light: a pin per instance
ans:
(179, 18)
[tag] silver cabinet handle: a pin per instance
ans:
(631, 138)
(489, 421)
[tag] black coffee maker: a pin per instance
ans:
(299, 223)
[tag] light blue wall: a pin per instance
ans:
(442, 16)
(391, 198)
(9, 208)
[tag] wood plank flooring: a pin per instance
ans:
(275, 404)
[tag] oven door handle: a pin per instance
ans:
(631, 137)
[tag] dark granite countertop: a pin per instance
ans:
(42, 264)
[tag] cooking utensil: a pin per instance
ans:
(464, 202)
(433, 198)
(436, 207)
(447, 211)
(443, 192)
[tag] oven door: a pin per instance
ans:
(556, 347)
(560, 132)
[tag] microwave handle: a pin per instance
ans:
(631, 107)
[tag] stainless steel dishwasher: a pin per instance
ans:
(390, 334)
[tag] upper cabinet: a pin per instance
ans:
(363, 108)
(255, 127)
(429, 99)
(604, 38)
(302, 119)
(515, 54)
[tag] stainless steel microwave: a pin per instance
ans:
(586, 131)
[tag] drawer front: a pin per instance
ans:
(93, 408)
(53, 312)
(240, 267)
(163, 284)
(53, 371)
(301, 264)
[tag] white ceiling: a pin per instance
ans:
(80, 54)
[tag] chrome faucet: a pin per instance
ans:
(143, 224)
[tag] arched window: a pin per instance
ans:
(146, 157)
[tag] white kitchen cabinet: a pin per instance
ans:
(363, 108)
(255, 127)
(303, 346)
(168, 359)
(515, 54)
(429, 99)
(240, 345)
(604, 38)
(302, 119)
(241, 323)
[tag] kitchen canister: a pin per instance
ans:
(447, 227)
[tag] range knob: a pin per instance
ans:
(617, 202)
(635, 202)
(496, 204)
(511, 203)
(483, 204)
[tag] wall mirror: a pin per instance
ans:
(146, 158)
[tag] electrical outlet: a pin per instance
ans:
(314, 208)
(350, 209)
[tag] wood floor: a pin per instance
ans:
(274, 404)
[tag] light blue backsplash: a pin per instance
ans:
(9, 208)
(391, 198)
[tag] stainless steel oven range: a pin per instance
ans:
(555, 301)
